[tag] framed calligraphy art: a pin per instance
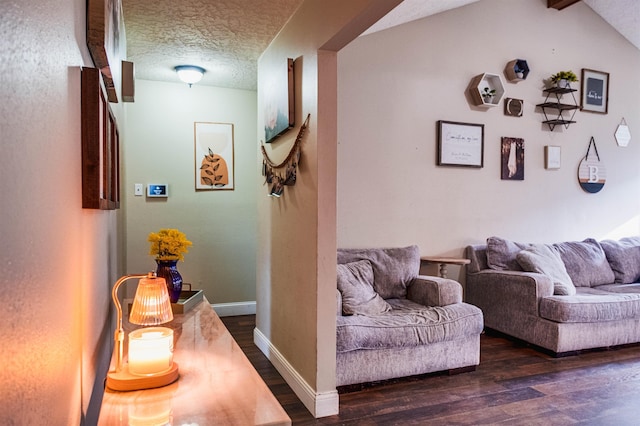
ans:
(460, 144)
(595, 91)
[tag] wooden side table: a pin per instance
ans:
(444, 261)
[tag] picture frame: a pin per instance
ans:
(214, 156)
(595, 91)
(552, 157)
(100, 148)
(106, 42)
(512, 158)
(460, 144)
(279, 101)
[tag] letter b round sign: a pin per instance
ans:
(592, 174)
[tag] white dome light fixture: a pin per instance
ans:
(190, 74)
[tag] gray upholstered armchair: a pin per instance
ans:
(392, 322)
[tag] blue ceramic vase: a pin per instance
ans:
(167, 269)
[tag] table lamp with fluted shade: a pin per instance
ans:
(150, 350)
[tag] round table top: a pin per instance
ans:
(449, 260)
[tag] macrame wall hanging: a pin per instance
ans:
(592, 173)
(283, 174)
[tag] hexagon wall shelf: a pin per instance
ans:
(516, 70)
(482, 81)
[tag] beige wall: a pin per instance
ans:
(58, 260)
(296, 233)
(221, 224)
(394, 86)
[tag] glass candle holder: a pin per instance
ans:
(150, 351)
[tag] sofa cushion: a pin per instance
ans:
(501, 254)
(624, 258)
(408, 324)
(586, 263)
(393, 268)
(546, 260)
(355, 282)
(590, 305)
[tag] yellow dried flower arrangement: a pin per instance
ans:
(168, 244)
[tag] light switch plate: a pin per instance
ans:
(138, 189)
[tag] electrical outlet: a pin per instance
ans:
(138, 189)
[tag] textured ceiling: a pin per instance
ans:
(226, 37)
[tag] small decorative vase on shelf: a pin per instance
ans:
(167, 269)
(563, 84)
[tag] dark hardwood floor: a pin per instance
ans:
(513, 385)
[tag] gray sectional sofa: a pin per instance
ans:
(562, 297)
(392, 322)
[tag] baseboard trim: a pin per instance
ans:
(319, 404)
(235, 308)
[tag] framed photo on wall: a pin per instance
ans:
(512, 159)
(213, 146)
(107, 42)
(100, 145)
(595, 91)
(552, 154)
(460, 144)
(279, 98)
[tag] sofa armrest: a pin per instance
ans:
(508, 291)
(338, 303)
(434, 291)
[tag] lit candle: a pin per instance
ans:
(150, 350)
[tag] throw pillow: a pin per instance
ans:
(355, 282)
(586, 263)
(393, 268)
(624, 258)
(546, 260)
(501, 254)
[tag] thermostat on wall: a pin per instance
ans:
(157, 190)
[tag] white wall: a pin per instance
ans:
(221, 224)
(396, 84)
(296, 246)
(58, 260)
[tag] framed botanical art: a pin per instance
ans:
(595, 91)
(460, 144)
(213, 147)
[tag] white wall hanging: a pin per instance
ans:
(592, 173)
(623, 134)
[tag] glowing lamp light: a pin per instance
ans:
(190, 74)
(150, 351)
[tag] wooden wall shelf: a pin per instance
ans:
(516, 70)
(482, 81)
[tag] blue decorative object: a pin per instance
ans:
(167, 269)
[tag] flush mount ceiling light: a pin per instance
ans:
(190, 74)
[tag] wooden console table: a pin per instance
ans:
(217, 384)
(444, 261)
